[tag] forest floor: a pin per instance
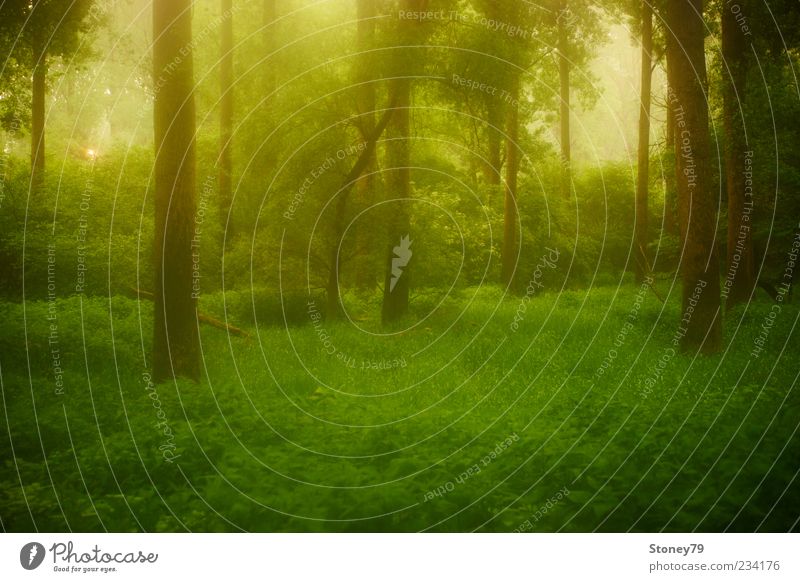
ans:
(560, 412)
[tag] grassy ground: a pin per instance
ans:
(575, 416)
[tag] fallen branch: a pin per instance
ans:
(201, 317)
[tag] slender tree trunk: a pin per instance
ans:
(740, 279)
(701, 324)
(365, 71)
(563, 77)
(176, 346)
(510, 251)
(365, 74)
(670, 178)
(361, 165)
(226, 120)
(494, 116)
(397, 268)
(493, 140)
(38, 93)
(397, 273)
(643, 163)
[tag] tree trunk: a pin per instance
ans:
(643, 163)
(494, 118)
(740, 280)
(176, 346)
(226, 120)
(493, 139)
(670, 184)
(563, 77)
(361, 165)
(396, 280)
(365, 70)
(510, 251)
(365, 73)
(38, 94)
(701, 323)
(397, 269)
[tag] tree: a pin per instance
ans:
(563, 22)
(226, 119)
(510, 250)
(670, 178)
(494, 109)
(35, 31)
(362, 163)
(397, 269)
(359, 177)
(740, 280)
(643, 157)
(396, 280)
(365, 72)
(575, 33)
(176, 344)
(701, 325)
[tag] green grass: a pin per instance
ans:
(282, 436)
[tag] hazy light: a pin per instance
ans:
(91, 154)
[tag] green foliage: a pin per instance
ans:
(282, 436)
(313, 422)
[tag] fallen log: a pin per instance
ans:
(201, 317)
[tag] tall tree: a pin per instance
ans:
(494, 109)
(366, 13)
(362, 163)
(226, 119)
(397, 268)
(510, 248)
(33, 31)
(670, 178)
(38, 96)
(176, 345)
(563, 20)
(397, 274)
(701, 324)
(740, 280)
(365, 75)
(643, 157)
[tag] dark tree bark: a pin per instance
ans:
(396, 282)
(365, 74)
(366, 12)
(563, 78)
(740, 279)
(226, 120)
(510, 251)
(38, 94)
(494, 116)
(494, 141)
(397, 268)
(643, 162)
(176, 347)
(361, 165)
(701, 323)
(670, 178)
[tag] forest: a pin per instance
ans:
(399, 265)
